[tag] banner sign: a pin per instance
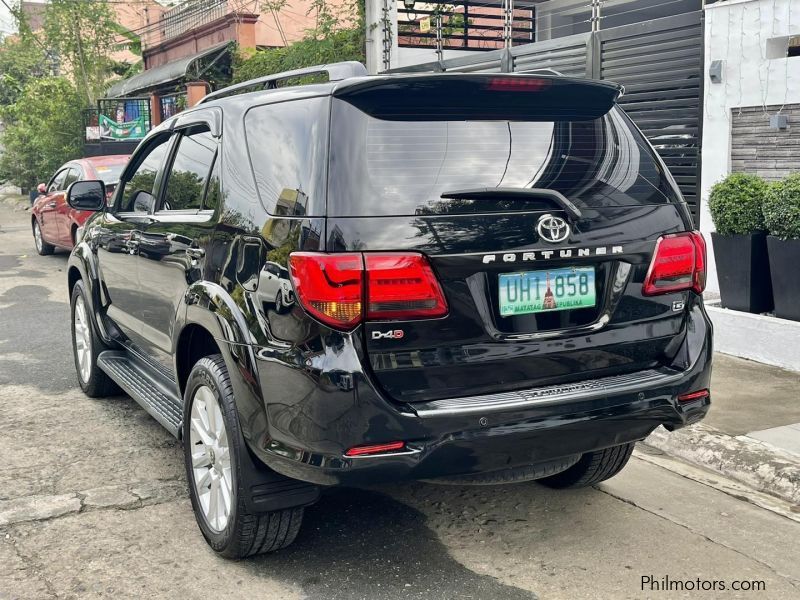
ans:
(131, 130)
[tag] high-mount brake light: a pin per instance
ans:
(342, 290)
(679, 263)
(517, 84)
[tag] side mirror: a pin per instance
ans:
(144, 202)
(42, 188)
(87, 195)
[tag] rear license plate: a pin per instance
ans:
(546, 291)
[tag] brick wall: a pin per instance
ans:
(755, 148)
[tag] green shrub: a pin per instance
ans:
(736, 204)
(44, 129)
(782, 208)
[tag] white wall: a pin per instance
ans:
(737, 32)
(415, 56)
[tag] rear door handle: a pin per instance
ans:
(195, 253)
(51, 204)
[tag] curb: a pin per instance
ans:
(756, 464)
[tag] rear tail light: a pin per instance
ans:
(402, 286)
(679, 263)
(329, 286)
(341, 290)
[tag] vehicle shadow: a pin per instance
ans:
(358, 543)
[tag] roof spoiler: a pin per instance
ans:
(335, 72)
(480, 96)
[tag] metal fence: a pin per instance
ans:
(118, 119)
(171, 104)
(465, 25)
(190, 15)
(660, 63)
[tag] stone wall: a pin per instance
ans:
(757, 148)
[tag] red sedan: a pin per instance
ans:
(54, 222)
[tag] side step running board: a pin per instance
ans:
(142, 385)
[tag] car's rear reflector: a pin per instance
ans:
(401, 285)
(692, 396)
(376, 449)
(679, 263)
(333, 288)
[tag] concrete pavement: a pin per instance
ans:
(93, 505)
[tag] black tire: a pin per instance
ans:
(42, 247)
(592, 468)
(245, 534)
(97, 384)
(73, 235)
(279, 302)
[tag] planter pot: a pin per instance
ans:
(743, 270)
(784, 261)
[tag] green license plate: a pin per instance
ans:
(546, 291)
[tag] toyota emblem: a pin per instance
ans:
(552, 229)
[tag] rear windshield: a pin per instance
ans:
(109, 173)
(403, 167)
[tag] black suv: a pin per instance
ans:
(471, 278)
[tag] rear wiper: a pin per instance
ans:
(516, 193)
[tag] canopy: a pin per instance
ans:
(171, 71)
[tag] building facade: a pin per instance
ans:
(752, 54)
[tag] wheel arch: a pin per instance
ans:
(194, 342)
(213, 321)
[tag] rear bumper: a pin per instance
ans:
(487, 433)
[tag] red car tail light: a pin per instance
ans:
(395, 285)
(402, 285)
(679, 263)
(329, 286)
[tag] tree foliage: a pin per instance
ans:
(44, 129)
(21, 60)
(83, 33)
(339, 34)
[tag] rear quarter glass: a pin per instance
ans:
(394, 167)
(287, 144)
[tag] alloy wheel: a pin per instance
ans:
(211, 459)
(83, 340)
(37, 236)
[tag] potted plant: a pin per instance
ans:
(782, 216)
(740, 242)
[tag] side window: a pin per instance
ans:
(187, 178)
(214, 188)
(57, 183)
(72, 176)
(139, 186)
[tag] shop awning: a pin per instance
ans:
(171, 71)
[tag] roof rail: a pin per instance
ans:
(335, 71)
